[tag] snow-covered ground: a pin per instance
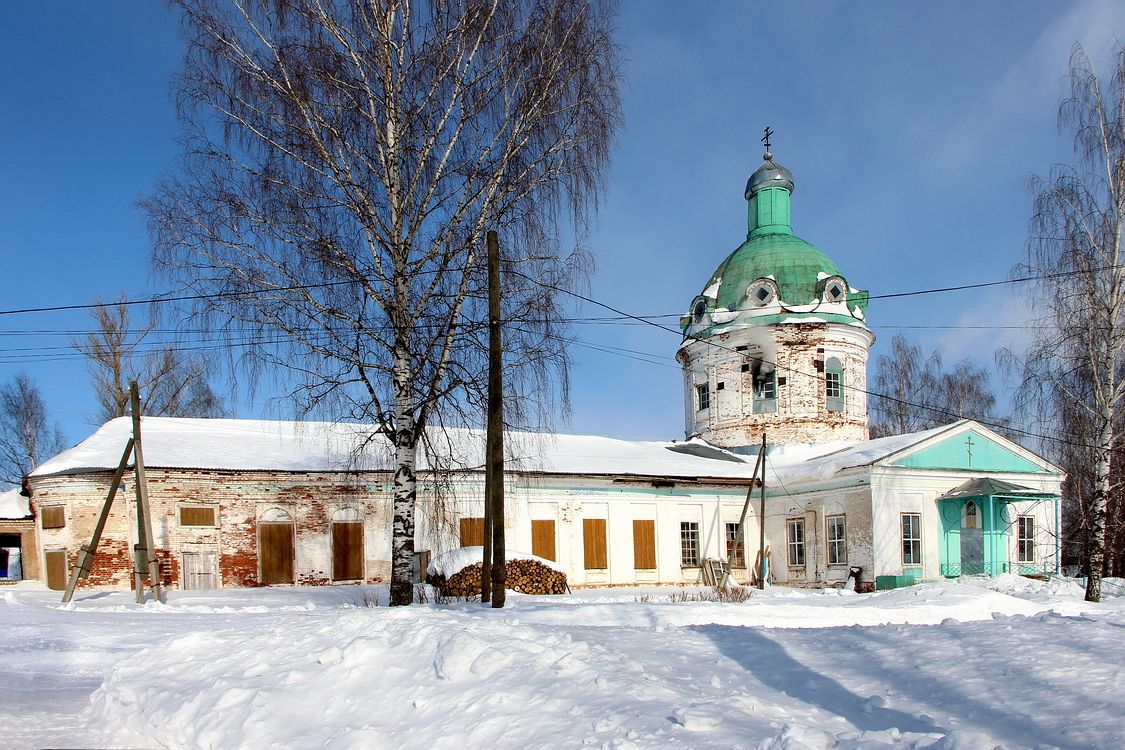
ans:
(1009, 663)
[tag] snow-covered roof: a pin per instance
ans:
(13, 504)
(249, 445)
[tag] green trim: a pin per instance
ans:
(953, 453)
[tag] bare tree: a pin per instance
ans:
(172, 383)
(916, 393)
(26, 436)
(343, 162)
(1072, 373)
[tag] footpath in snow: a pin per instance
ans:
(1006, 663)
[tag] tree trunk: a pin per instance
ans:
(405, 487)
(1095, 556)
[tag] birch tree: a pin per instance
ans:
(1073, 372)
(172, 382)
(27, 437)
(343, 162)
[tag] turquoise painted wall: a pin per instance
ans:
(954, 453)
(994, 530)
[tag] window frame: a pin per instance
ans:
(737, 540)
(794, 547)
(840, 558)
(914, 558)
(759, 388)
(834, 380)
(689, 544)
(1024, 540)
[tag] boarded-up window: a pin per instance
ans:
(197, 516)
(53, 517)
(275, 551)
(56, 569)
(543, 539)
(593, 542)
(644, 545)
(347, 551)
(200, 570)
(472, 532)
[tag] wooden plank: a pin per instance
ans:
(197, 516)
(472, 532)
(347, 551)
(53, 517)
(276, 552)
(593, 543)
(56, 569)
(201, 571)
(543, 539)
(644, 544)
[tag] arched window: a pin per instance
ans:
(834, 384)
(970, 519)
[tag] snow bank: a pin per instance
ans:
(455, 561)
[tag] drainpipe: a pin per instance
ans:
(991, 535)
(1058, 536)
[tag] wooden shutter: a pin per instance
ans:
(56, 569)
(53, 517)
(200, 570)
(198, 516)
(543, 539)
(347, 551)
(644, 545)
(593, 541)
(472, 532)
(276, 552)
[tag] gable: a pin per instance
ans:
(957, 452)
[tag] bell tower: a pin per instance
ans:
(777, 340)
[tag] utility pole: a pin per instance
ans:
(494, 474)
(144, 554)
(738, 542)
(763, 566)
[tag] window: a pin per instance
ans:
(472, 532)
(834, 385)
(795, 533)
(644, 544)
(761, 293)
(736, 546)
(834, 291)
(197, 515)
(1025, 539)
(689, 544)
(593, 543)
(765, 393)
(837, 548)
(53, 517)
(911, 538)
(703, 396)
(970, 519)
(543, 539)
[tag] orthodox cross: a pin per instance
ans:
(766, 137)
(969, 448)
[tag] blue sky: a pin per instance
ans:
(910, 128)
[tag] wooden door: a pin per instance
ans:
(644, 544)
(201, 571)
(543, 539)
(347, 550)
(275, 552)
(56, 569)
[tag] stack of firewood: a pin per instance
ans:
(524, 576)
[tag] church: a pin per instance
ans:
(774, 351)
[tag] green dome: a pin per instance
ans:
(774, 276)
(795, 266)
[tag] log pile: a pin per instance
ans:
(524, 576)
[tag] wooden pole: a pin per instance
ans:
(144, 517)
(762, 564)
(742, 519)
(494, 477)
(87, 552)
